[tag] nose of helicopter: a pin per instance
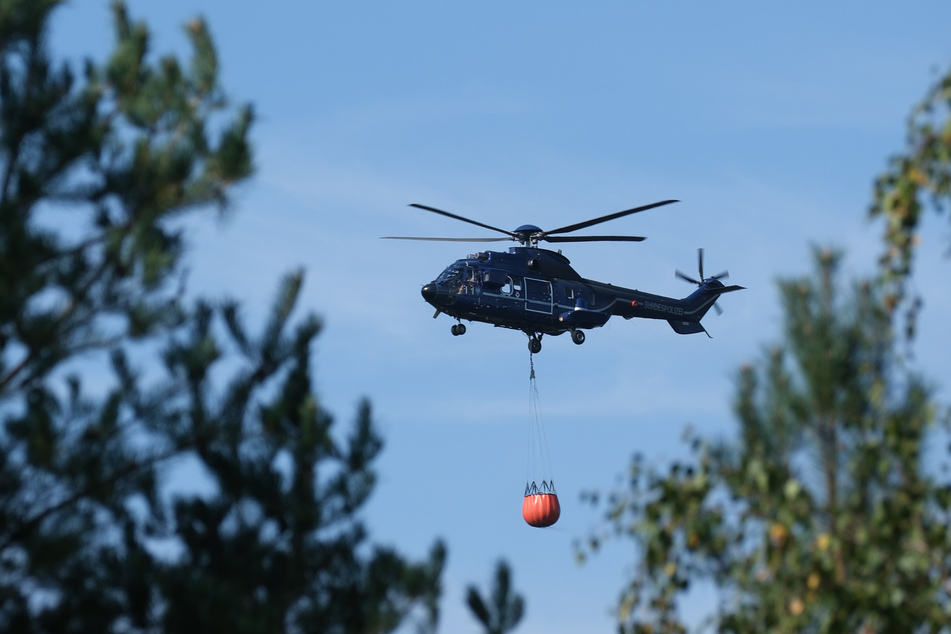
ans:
(429, 292)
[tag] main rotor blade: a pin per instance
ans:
(594, 221)
(445, 239)
(594, 239)
(464, 219)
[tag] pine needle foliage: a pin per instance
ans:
(163, 466)
(915, 179)
(502, 610)
(822, 514)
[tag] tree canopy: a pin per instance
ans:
(915, 179)
(821, 514)
(112, 385)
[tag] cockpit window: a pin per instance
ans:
(452, 275)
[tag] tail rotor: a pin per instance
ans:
(703, 280)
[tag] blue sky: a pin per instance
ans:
(768, 121)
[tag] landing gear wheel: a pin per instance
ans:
(458, 329)
(534, 345)
(577, 336)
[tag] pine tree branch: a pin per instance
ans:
(32, 523)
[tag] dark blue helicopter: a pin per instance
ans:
(536, 291)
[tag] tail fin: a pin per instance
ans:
(697, 305)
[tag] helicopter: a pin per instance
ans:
(536, 290)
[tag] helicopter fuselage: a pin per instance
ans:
(538, 292)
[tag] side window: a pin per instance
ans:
(507, 287)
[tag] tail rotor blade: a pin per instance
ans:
(683, 276)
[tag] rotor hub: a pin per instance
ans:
(528, 235)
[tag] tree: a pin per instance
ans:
(502, 611)
(821, 515)
(110, 381)
(914, 179)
